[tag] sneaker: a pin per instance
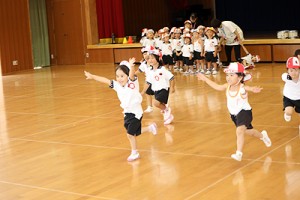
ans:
(202, 71)
(214, 72)
(287, 117)
(149, 109)
(266, 138)
(133, 157)
(153, 128)
(237, 156)
(167, 113)
(169, 120)
(207, 72)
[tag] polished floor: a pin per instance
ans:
(62, 138)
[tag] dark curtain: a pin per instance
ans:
(110, 18)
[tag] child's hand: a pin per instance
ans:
(88, 75)
(131, 61)
(256, 89)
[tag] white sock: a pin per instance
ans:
(134, 151)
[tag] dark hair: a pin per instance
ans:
(215, 23)
(193, 15)
(123, 68)
(157, 59)
(297, 52)
(241, 75)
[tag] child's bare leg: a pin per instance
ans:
(132, 141)
(240, 137)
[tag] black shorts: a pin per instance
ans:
(187, 61)
(197, 56)
(132, 125)
(177, 58)
(167, 60)
(292, 103)
(244, 117)
(149, 91)
(162, 96)
(209, 57)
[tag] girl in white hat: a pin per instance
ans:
(127, 87)
(238, 105)
(291, 90)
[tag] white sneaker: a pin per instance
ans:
(153, 128)
(207, 72)
(214, 72)
(266, 138)
(287, 117)
(237, 156)
(167, 113)
(133, 157)
(169, 120)
(149, 109)
(202, 71)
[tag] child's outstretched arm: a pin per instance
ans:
(97, 78)
(131, 70)
(211, 83)
(254, 89)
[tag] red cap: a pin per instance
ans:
(292, 62)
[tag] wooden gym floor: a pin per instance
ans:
(62, 137)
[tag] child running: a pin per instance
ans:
(162, 82)
(291, 90)
(238, 105)
(127, 88)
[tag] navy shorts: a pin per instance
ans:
(177, 58)
(167, 60)
(197, 56)
(209, 57)
(132, 125)
(292, 103)
(244, 117)
(162, 96)
(149, 91)
(187, 61)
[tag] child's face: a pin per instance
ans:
(294, 73)
(233, 79)
(187, 40)
(166, 39)
(152, 61)
(177, 35)
(150, 35)
(121, 77)
(210, 33)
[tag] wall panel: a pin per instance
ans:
(15, 38)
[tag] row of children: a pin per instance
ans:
(190, 48)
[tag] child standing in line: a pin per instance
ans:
(127, 88)
(149, 41)
(291, 90)
(177, 44)
(145, 68)
(238, 105)
(167, 53)
(162, 83)
(187, 54)
(198, 51)
(210, 49)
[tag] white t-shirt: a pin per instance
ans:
(291, 89)
(166, 49)
(227, 31)
(210, 44)
(176, 44)
(130, 97)
(187, 50)
(197, 45)
(159, 78)
(235, 101)
(144, 68)
(148, 42)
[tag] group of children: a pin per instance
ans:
(160, 82)
(192, 51)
